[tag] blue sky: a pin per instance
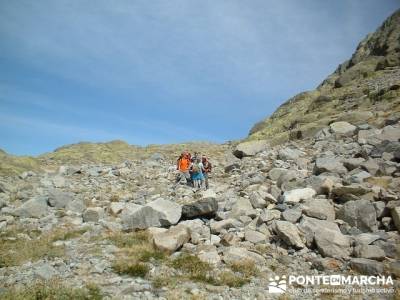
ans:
(164, 71)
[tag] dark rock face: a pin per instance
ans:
(203, 208)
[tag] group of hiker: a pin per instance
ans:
(193, 169)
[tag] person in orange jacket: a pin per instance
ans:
(183, 165)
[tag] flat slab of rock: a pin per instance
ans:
(330, 165)
(45, 272)
(367, 266)
(241, 207)
(238, 254)
(332, 243)
(275, 173)
(254, 237)
(172, 239)
(320, 209)
(297, 195)
(289, 233)
(366, 238)
(370, 252)
(342, 128)
(250, 148)
(359, 213)
(292, 215)
(33, 208)
(289, 154)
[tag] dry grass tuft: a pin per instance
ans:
(52, 290)
(17, 248)
(136, 250)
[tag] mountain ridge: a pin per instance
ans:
(370, 79)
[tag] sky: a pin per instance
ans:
(164, 71)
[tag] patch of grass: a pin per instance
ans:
(136, 269)
(114, 198)
(136, 251)
(147, 255)
(246, 267)
(161, 281)
(123, 240)
(67, 234)
(190, 264)
(16, 250)
(231, 279)
(193, 268)
(52, 290)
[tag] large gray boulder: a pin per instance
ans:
(342, 128)
(369, 251)
(289, 154)
(250, 148)
(289, 233)
(396, 217)
(199, 232)
(254, 236)
(170, 212)
(332, 243)
(241, 207)
(319, 208)
(275, 173)
(206, 207)
(172, 239)
(33, 208)
(330, 165)
(159, 213)
(292, 215)
(327, 237)
(349, 192)
(367, 266)
(93, 214)
(359, 213)
(59, 199)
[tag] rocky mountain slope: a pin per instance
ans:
(364, 88)
(93, 221)
(329, 205)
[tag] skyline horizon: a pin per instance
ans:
(106, 87)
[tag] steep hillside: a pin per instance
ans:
(365, 88)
